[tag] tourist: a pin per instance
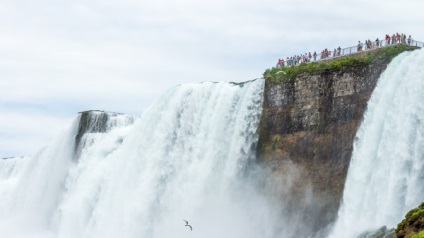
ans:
(327, 54)
(359, 46)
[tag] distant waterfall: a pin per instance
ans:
(386, 174)
(187, 157)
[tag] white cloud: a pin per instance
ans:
(62, 57)
(24, 132)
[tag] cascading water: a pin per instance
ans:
(386, 174)
(187, 157)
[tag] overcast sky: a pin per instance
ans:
(60, 57)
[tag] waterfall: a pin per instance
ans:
(386, 173)
(109, 175)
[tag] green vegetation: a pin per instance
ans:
(419, 235)
(383, 55)
(413, 224)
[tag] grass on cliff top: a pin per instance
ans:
(383, 55)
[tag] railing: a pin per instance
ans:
(353, 50)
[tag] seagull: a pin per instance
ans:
(191, 229)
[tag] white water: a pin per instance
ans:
(185, 158)
(386, 174)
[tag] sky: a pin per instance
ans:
(60, 57)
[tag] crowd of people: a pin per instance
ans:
(389, 40)
(326, 54)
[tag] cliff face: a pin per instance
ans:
(310, 122)
(96, 121)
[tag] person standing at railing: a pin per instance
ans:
(278, 63)
(387, 39)
(338, 51)
(315, 56)
(409, 40)
(377, 43)
(360, 46)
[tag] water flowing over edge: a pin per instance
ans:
(187, 157)
(387, 166)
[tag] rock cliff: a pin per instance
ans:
(96, 121)
(309, 122)
(413, 224)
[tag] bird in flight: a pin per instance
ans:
(191, 228)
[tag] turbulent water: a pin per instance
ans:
(191, 156)
(188, 157)
(386, 174)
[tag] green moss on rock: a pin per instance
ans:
(419, 235)
(413, 224)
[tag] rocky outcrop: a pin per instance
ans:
(311, 121)
(96, 121)
(382, 232)
(412, 225)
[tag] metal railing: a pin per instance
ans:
(336, 53)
